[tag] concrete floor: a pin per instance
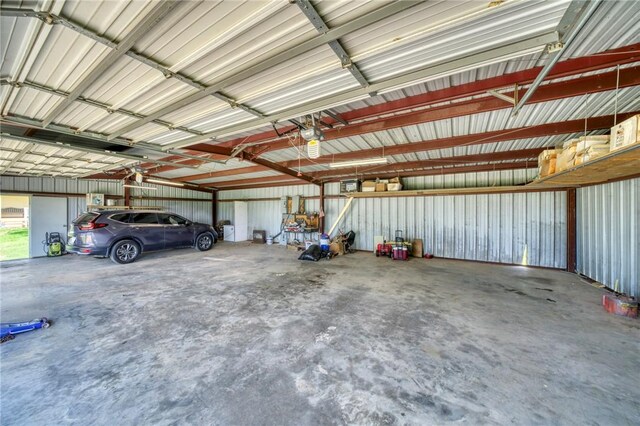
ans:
(247, 334)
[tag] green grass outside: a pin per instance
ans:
(14, 243)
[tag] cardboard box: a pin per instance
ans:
(394, 187)
(416, 248)
(567, 158)
(625, 133)
(586, 142)
(547, 162)
(336, 248)
(368, 186)
(381, 187)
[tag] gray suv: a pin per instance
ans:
(123, 234)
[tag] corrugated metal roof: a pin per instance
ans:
(210, 41)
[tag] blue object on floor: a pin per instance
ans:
(9, 329)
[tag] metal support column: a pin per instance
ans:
(321, 218)
(127, 192)
(214, 207)
(571, 230)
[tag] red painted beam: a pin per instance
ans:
(223, 183)
(439, 162)
(551, 129)
(598, 61)
(264, 185)
(220, 173)
(447, 170)
(550, 92)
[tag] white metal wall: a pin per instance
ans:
(197, 209)
(523, 228)
(608, 240)
(491, 227)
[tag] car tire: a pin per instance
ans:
(125, 251)
(204, 242)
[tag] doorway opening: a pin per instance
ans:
(14, 227)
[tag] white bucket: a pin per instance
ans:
(307, 244)
(269, 240)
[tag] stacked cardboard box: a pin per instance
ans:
(394, 184)
(625, 133)
(369, 186)
(547, 162)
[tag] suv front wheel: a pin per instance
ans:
(204, 242)
(125, 251)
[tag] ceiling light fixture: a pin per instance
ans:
(164, 182)
(366, 162)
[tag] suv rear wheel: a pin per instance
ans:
(125, 251)
(204, 242)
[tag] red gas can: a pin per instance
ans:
(383, 250)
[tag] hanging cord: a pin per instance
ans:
(615, 108)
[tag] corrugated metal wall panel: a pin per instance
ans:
(198, 210)
(608, 241)
(273, 192)
(487, 227)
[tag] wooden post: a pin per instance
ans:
(344, 210)
(321, 218)
(571, 230)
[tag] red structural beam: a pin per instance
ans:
(550, 92)
(550, 129)
(223, 183)
(221, 173)
(598, 61)
(264, 185)
(439, 162)
(447, 170)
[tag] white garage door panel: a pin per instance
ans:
(48, 214)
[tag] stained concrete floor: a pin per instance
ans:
(247, 334)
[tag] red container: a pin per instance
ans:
(620, 305)
(400, 253)
(383, 250)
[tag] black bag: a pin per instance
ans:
(312, 253)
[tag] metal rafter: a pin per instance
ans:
(31, 139)
(487, 56)
(575, 18)
(17, 158)
(94, 103)
(160, 10)
(52, 19)
(561, 90)
(345, 60)
(64, 162)
(335, 33)
(570, 67)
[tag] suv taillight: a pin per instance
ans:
(91, 225)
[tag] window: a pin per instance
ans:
(144, 218)
(172, 219)
(121, 217)
(86, 217)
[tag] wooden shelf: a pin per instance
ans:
(455, 191)
(613, 166)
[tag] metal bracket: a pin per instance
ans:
(554, 47)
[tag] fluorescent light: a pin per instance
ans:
(140, 187)
(164, 182)
(368, 161)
